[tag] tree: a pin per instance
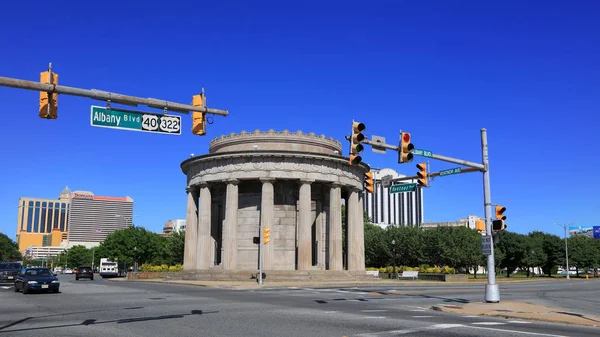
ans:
(135, 242)
(409, 245)
(582, 253)
(9, 250)
(512, 245)
(554, 249)
(176, 247)
(534, 252)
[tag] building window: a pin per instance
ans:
(43, 218)
(50, 218)
(36, 218)
(22, 215)
(63, 217)
(30, 217)
(56, 213)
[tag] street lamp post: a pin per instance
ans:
(394, 252)
(134, 262)
(564, 226)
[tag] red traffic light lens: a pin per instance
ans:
(406, 137)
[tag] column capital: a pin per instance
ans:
(335, 185)
(306, 181)
(233, 181)
(189, 189)
(203, 184)
(267, 180)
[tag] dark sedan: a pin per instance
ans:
(8, 271)
(34, 279)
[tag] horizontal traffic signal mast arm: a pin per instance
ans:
(434, 174)
(105, 96)
(478, 166)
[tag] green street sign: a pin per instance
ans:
(422, 153)
(450, 171)
(135, 121)
(401, 188)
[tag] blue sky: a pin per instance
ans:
(528, 72)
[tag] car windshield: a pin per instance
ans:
(10, 266)
(38, 272)
(84, 269)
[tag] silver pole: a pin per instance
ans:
(564, 226)
(261, 247)
(492, 292)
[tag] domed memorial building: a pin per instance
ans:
(290, 182)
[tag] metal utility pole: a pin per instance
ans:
(261, 248)
(492, 291)
(564, 226)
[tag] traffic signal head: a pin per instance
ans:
(405, 152)
(498, 225)
(355, 143)
(199, 118)
(369, 182)
(499, 212)
(48, 102)
(266, 235)
(422, 174)
(480, 225)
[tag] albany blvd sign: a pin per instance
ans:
(401, 188)
(135, 121)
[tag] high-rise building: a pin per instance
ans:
(92, 218)
(42, 222)
(172, 226)
(397, 209)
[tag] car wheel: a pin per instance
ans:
(76, 278)
(25, 290)
(16, 288)
(55, 290)
(91, 278)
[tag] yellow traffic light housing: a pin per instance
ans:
(480, 225)
(498, 224)
(48, 101)
(422, 174)
(406, 147)
(266, 235)
(369, 182)
(199, 118)
(355, 142)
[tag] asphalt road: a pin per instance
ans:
(116, 308)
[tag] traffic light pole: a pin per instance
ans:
(261, 249)
(492, 292)
(107, 96)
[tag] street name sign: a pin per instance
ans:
(486, 245)
(386, 181)
(104, 117)
(401, 188)
(450, 171)
(423, 153)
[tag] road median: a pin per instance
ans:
(521, 310)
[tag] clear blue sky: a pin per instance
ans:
(528, 72)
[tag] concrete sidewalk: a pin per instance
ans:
(521, 310)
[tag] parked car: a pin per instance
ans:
(8, 271)
(84, 272)
(33, 279)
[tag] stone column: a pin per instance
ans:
(267, 214)
(335, 228)
(356, 233)
(320, 215)
(304, 226)
(204, 248)
(191, 230)
(230, 226)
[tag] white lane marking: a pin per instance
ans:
(489, 323)
(330, 312)
(5, 287)
(417, 310)
(421, 316)
(374, 310)
(407, 331)
(519, 322)
(374, 317)
(471, 316)
(515, 331)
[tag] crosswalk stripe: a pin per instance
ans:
(519, 322)
(489, 323)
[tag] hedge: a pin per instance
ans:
(422, 269)
(161, 268)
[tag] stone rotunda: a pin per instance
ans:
(290, 182)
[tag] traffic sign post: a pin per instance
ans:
(105, 117)
(402, 188)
